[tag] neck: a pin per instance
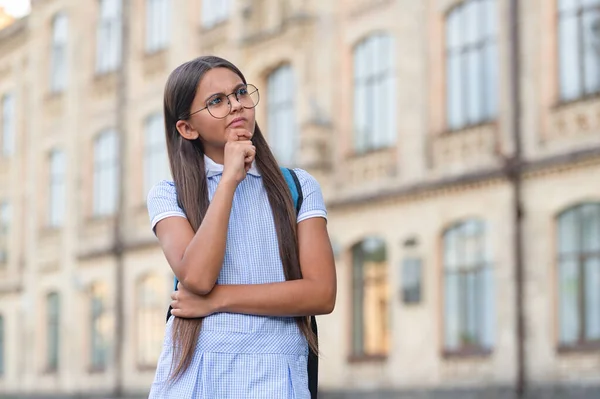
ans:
(216, 154)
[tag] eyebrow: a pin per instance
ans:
(234, 89)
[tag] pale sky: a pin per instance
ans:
(16, 8)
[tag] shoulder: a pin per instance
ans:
(161, 190)
(306, 179)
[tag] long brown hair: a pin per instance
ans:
(186, 158)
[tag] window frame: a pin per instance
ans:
(374, 128)
(581, 12)
(58, 54)
(109, 37)
(358, 353)
(463, 268)
(484, 46)
(283, 79)
(580, 256)
(101, 206)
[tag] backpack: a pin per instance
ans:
(313, 360)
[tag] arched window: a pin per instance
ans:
(99, 327)
(152, 301)
(579, 274)
(370, 301)
(469, 310)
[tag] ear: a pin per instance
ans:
(186, 130)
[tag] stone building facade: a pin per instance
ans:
(437, 138)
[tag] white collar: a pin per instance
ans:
(215, 169)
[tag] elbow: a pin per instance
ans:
(197, 285)
(328, 303)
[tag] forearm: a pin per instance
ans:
(291, 298)
(203, 258)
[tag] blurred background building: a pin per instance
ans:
(456, 142)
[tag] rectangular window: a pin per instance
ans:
(9, 124)
(109, 39)
(5, 221)
(58, 56)
(374, 94)
(106, 174)
(214, 12)
(471, 64)
(158, 24)
(281, 118)
(2, 346)
(156, 161)
(56, 212)
(579, 48)
(53, 331)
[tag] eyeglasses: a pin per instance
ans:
(219, 105)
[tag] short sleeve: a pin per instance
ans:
(162, 202)
(313, 204)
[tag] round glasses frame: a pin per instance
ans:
(249, 87)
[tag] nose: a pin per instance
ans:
(235, 104)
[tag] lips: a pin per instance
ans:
(237, 122)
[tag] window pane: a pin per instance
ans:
(357, 302)
(53, 327)
(591, 43)
(389, 98)
(568, 232)
(490, 80)
(472, 19)
(590, 219)
(569, 58)
(454, 30)
(281, 114)
(470, 333)
(8, 124)
(454, 93)
(2, 340)
(487, 308)
(474, 86)
(569, 307)
(370, 298)
(587, 3)
(568, 5)
(592, 299)
(452, 310)
(490, 19)
(451, 250)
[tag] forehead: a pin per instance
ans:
(218, 80)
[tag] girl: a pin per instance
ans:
(250, 269)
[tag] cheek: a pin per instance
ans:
(211, 128)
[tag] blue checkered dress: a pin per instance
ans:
(241, 356)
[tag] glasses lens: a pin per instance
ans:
(248, 96)
(219, 106)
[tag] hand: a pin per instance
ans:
(188, 305)
(239, 155)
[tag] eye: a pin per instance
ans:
(242, 91)
(214, 101)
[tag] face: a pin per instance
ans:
(212, 131)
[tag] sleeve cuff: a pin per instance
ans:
(165, 215)
(317, 213)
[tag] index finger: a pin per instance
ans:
(238, 135)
